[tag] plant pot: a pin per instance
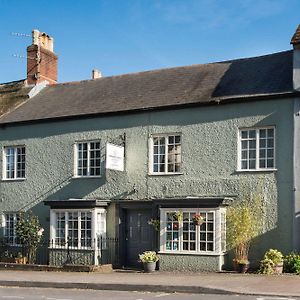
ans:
(197, 223)
(21, 260)
(278, 268)
(149, 266)
(243, 268)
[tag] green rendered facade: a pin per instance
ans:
(209, 170)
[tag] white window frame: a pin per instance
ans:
(151, 153)
(257, 158)
(219, 231)
(14, 237)
(76, 175)
(96, 231)
(4, 169)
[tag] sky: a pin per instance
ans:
(126, 36)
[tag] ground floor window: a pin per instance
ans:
(77, 228)
(180, 234)
(9, 225)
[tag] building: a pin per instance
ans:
(195, 138)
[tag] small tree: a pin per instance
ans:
(244, 222)
(30, 233)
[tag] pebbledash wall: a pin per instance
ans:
(209, 154)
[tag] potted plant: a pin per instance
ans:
(20, 259)
(244, 223)
(149, 259)
(155, 223)
(272, 262)
(243, 265)
(178, 215)
(198, 219)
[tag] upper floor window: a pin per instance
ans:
(14, 162)
(165, 156)
(10, 223)
(257, 149)
(88, 159)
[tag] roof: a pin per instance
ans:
(12, 94)
(197, 85)
(296, 37)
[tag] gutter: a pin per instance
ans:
(216, 101)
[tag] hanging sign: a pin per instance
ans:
(114, 157)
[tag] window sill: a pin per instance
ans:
(258, 170)
(85, 177)
(192, 253)
(165, 174)
(13, 179)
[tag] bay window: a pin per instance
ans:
(77, 228)
(186, 237)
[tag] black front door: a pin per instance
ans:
(138, 235)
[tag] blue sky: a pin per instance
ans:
(128, 36)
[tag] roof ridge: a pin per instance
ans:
(166, 69)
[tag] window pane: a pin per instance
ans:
(15, 162)
(252, 164)
(244, 134)
(262, 163)
(252, 134)
(271, 132)
(88, 159)
(262, 133)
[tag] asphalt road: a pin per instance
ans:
(67, 294)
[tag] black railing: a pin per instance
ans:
(99, 251)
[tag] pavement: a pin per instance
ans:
(122, 280)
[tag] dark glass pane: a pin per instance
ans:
(252, 133)
(262, 133)
(270, 163)
(270, 132)
(252, 164)
(171, 139)
(244, 134)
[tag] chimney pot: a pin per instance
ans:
(96, 74)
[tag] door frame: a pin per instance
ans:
(121, 226)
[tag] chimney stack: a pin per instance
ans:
(96, 74)
(295, 41)
(41, 60)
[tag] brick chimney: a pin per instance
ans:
(295, 41)
(41, 60)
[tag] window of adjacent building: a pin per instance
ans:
(76, 228)
(10, 222)
(184, 236)
(88, 159)
(165, 153)
(257, 149)
(14, 162)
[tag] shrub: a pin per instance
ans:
(244, 222)
(148, 256)
(272, 258)
(30, 233)
(291, 263)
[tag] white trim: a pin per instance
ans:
(151, 153)
(75, 169)
(66, 211)
(4, 162)
(217, 242)
(257, 149)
